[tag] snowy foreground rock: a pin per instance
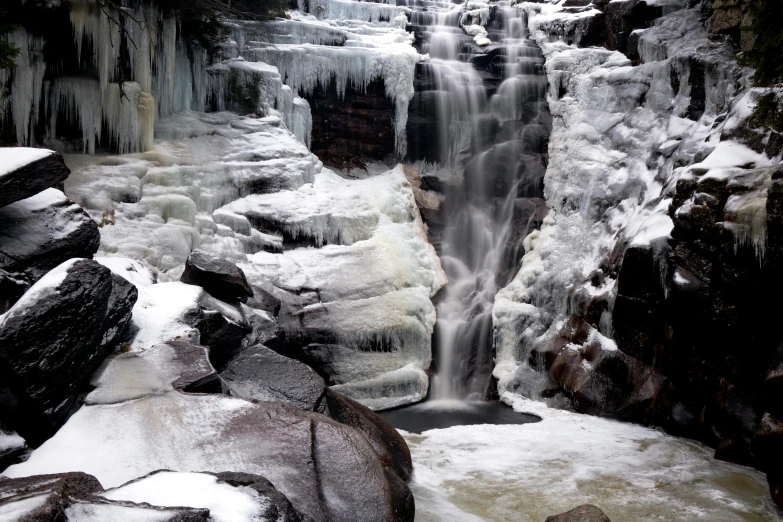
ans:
(345, 263)
(157, 497)
(54, 338)
(140, 419)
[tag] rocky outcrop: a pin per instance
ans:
(585, 513)
(222, 279)
(79, 497)
(42, 231)
(54, 338)
(327, 470)
(354, 129)
(26, 172)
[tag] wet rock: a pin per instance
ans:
(599, 378)
(260, 374)
(55, 337)
(277, 508)
(40, 232)
(584, 513)
(25, 172)
(385, 440)
(222, 279)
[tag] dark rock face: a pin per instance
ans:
(584, 513)
(55, 337)
(32, 178)
(40, 232)
(700, 310)
(352, 130)
(598, 378)
(222, 279)
(260, 374)
(73, 497)
(278, 507)
(385, 440)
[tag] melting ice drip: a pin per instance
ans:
(489, 98)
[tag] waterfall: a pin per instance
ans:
(487, 90)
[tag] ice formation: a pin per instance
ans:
(620, 139)
(246, 190)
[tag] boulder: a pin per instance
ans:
(222, 279)
(277, 508)
(226, 496)
(25, 172)
(74, 497)
(55, 336)
(42, 231)
(327, 470)
(584, 513)
(600, 379)
(385, 440)
(260, 374)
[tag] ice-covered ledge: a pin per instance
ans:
(349, 259)
(621, 134)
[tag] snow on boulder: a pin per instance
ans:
(327, 470)
(53, 339)
(222, 279)
(229, 497)
(73, 497)
(42, 231)
(260, 374)
(25, 172)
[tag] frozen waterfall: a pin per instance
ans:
(488, 101)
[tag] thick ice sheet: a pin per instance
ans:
(524, 473)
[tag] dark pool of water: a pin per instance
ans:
(433, 415)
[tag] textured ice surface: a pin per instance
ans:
(170, 489)
(157, 207)
(619, 138)
(373, 290)
(211, 182)
(528, 472)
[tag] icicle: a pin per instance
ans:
(27, 84)
(306, 67)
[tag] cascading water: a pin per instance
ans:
(492, 130)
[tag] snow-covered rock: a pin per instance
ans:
(25, 172)
(134, 423)
(42, 231)
(54, 337)
(620, 137)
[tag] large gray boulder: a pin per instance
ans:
(261, 374)
(42, 231)
(54, 338)
(25, 172)
(133, 424)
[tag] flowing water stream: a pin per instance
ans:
(492, 126)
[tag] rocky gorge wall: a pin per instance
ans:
(648, 293)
